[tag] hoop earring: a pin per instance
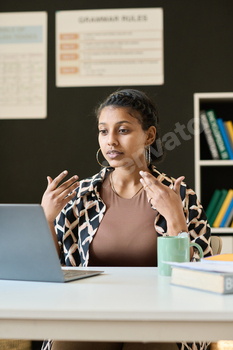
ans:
(97, 158)
(148, 155)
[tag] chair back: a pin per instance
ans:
(216, 244)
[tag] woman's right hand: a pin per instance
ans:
(56, 197)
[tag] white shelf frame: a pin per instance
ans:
(200, 98)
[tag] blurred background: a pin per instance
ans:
(198, 56)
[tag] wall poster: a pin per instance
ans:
(109, 47)
(23, 65)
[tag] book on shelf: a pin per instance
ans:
(217, 134)
(217, 206)
(225, 137)
(212, 203)
(230, 128)
(208, 135)
(213, 276)
(229, 131)
(228, 216)
(223, 208)
(229, 222)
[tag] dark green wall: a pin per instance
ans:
(198, 57)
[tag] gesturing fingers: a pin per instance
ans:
(54, 183)
(148, 180)
(158, 191)
(67, 190)
(66, 187)
(177, 184)
(60, 195)
(56, 197)
(50, 180)
(166, 199)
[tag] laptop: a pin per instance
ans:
(27, 249)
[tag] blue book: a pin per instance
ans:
(225, 137)
(229, 221)
(227, 214)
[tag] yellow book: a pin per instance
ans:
(230, 128)
(219, 257)
(223, 209)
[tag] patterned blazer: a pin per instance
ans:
(78, 222)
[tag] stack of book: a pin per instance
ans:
(213, 274)
(219, 211)
(218, 133)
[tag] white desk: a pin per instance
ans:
(124, 304)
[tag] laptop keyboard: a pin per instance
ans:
(74, 273)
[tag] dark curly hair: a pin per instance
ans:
(148, 115)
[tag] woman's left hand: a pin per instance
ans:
(167, 201)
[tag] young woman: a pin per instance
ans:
(114, 217)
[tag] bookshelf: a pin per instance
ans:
(211, 174)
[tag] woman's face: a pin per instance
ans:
(121, 138)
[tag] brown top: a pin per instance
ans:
(126, 235)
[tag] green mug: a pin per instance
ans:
(174, 249)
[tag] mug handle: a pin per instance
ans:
(198, 247)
